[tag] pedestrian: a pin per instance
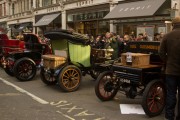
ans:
(125, 43)
(146, 37)
(100, 42)
(169, 52)
(20, 36)
(161, 36)
(112, 42)
(140, 37)
(156, 37)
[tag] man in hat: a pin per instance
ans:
(169, 52)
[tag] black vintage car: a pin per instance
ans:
(23, 64)
(143, 80)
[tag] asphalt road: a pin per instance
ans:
(33, 100)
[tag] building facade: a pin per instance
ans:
(3, 16)
(87, 16)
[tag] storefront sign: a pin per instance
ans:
(90, 16)
(52, 9)
(135, 8)
(85, 2)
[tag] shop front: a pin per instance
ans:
(89, 20)
(47, 22)
(146, 16)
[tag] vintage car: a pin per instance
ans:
(73, 57)
(144, 77)
(23, 63)
(8, 45)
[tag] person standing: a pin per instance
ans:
(20, 36)
(169, 52)
(156, 37)
(113, 43)
(161, 36)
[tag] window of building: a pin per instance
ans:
(0, 10)
(24, 5)
(27, 4)
(31, 3)
(37, 3)
(13, 9)
(4, 9)
(21, 10)
(46, 2)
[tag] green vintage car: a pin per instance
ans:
(72, 58)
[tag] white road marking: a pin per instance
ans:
(67, 116)
(10, 94)
(24, 91)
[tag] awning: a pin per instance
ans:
(47, 19)
(135, 9)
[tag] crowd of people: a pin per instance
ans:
(118, 43)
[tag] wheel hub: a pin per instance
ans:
(108, 86)
(157, 98)
(71, 78)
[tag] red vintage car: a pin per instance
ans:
(21, 57)
(9, 45)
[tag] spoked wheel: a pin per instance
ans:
(47, 77)
(9, 66)
(25, 69)
(70, 78)
(154, 98)
(106, 86)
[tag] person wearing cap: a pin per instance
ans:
(169, 52)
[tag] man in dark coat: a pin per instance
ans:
(169, 52)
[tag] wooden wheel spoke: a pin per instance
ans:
(151, 105)
(150, 102)
(66, 83)
(160, 102)
(105, 93)
(65, 75)
(76, 78)
(159, 91)
(155, 106)
(76, 74)
(72, 73)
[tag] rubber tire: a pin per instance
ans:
(61, 75)
(17, 65)
(1, 60)
(97, 85)
(8, 70)
(45, 80)
(145, 97)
